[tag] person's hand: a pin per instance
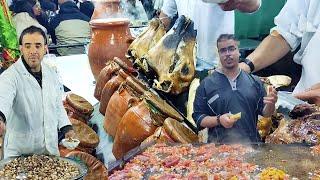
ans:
(272, 96)
(226, 121)
(229, 5)
(241, 5)
(312, 95)
(2, 128)
(244, 67)
(70, 134)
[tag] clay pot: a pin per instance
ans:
(172, 131)
(105, 75)
(96, 169)
(135, 126)
(124, 98)
(178, 132)
(77, 107)
(159, 136)
(87, 136)
(105, 9)
(109, 88)
(110, 38)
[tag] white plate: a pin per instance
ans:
(215, 1)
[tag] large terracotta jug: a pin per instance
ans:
(110, 38)
(105, 9)
(127, 96)
(135, 126)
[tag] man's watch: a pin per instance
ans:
(249, 63)
(218, 119)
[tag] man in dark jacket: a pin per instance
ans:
(229, 90)
(69, 27)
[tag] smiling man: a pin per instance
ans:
(230, 90)
(31, 109)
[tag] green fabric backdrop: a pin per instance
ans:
(258, 23)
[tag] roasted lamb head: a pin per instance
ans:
(149, 38)
(172, 58)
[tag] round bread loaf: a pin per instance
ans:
(87, 136)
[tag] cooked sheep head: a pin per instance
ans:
(149, 38)
(172, 58)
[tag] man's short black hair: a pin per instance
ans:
(32, 30)
(224, 37)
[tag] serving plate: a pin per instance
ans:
(79, 164)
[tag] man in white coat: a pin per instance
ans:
(31, 109)
(297, 26)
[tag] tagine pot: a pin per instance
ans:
(109, 38)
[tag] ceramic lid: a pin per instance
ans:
(79, 103)
(109, 21)
(179, 132)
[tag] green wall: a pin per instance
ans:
(259, 23)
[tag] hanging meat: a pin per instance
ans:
(149, 38)
(172, 58)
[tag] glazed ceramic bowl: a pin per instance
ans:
(70, 144)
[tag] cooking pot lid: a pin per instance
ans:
(79, 103)
(179, 132)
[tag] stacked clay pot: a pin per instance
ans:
(89, 139)
(77, 107)
(96, 169)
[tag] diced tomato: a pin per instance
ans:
(171, 161)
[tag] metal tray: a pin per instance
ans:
(294, 159)
(79, 164)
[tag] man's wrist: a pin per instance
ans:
(218, 120)
(249, 63)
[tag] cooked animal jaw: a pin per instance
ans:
(172, 58)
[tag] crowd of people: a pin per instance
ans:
(52, 17)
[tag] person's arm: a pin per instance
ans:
(168, 11)
(7, 94)
(311, 95)
(269, 51)
(212, 121)
(165, 19)
(2, 124)
(64, 124)
(241, 5)
(204, 116)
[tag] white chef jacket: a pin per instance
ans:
(33, 114)
(298, 22)
(210, 21)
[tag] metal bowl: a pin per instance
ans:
(83, 170)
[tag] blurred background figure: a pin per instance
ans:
(70, 28)
(27, 13)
